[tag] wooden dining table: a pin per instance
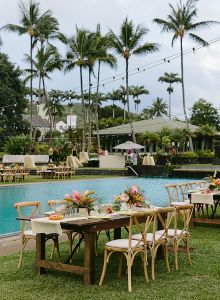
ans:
(88, 229)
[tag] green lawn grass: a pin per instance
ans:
(200, 281)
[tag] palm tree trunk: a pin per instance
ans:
(128, 104)
(31, 86)
(170, 102)
(84, 111)
(124, 112)
(39, 99)
(89, 113)
(96, 107)
(183, 93)
(113, 109)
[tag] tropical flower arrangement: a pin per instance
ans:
(214, 184)
(83, 200)
(131, 196)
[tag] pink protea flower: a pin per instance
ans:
(134, 189)
(76, 195)
(67, 196)
(124, 197)
(86, 193)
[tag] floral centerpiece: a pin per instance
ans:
(214, 184)
(83, 200)
(131, 196)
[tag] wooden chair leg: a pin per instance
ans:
(188, 252)
(129, 272)
(175, 250)
(166, 257)
(104, 268)
(145, 266)
(153, 256)
(120, 264)
(21, 252)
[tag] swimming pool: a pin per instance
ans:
(106, 189)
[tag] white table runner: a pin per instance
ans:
(45, 225)
(199, 197)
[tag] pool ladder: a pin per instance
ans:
(136, 174)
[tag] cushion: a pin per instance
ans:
(180, 203)
(171, 232)
(122, 243)
(149, 236)
(29, 232)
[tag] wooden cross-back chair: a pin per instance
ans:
(180, 232)
(130, 247)
(154, 239)
(25, 226)
(173, 193)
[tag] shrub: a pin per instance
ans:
(19, 144)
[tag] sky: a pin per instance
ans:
(202, 68)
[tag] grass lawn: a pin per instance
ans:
(200, 281)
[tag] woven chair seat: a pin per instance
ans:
(158, 236)
(171, 232)
(123, 243)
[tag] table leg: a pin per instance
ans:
(40, 252)
(117, 233)
(89, 239)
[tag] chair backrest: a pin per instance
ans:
(149, 214)
(164, 215)
(184, 188)
(53, 203)
(35, 209)
(173, 192)
(182, 218)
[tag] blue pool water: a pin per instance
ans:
(106, 189)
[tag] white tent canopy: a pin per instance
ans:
(128, 145)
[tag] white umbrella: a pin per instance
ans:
(128, 145)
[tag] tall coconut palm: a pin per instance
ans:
(77, 56)
(136, 91)
(29, 20)
(46, 61)
(180, 22)
(103, 43)
(170, 78)
(126, 44)
(158, 108)
(122, 92)
(114, 96)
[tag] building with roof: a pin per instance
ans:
(115, 135)
(39, 123)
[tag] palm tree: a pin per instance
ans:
(77, 56)
(158, 108)
(126, 44)
(29, 20)
(46, 61)
(136, 91)
(114, 96)
(180, 22)
(53, 109)
(103, 43)
(122, 93)
(170, 78)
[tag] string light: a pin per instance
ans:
(152, 64)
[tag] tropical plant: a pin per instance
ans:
(17, 145)
(126, 44)
(158, 108)
(30, 18)
(203, 112)
(180, 22)
(102, 43)
(205, 131)
(80, 47)
(137, 91)
(114, 96)
(170, 78)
